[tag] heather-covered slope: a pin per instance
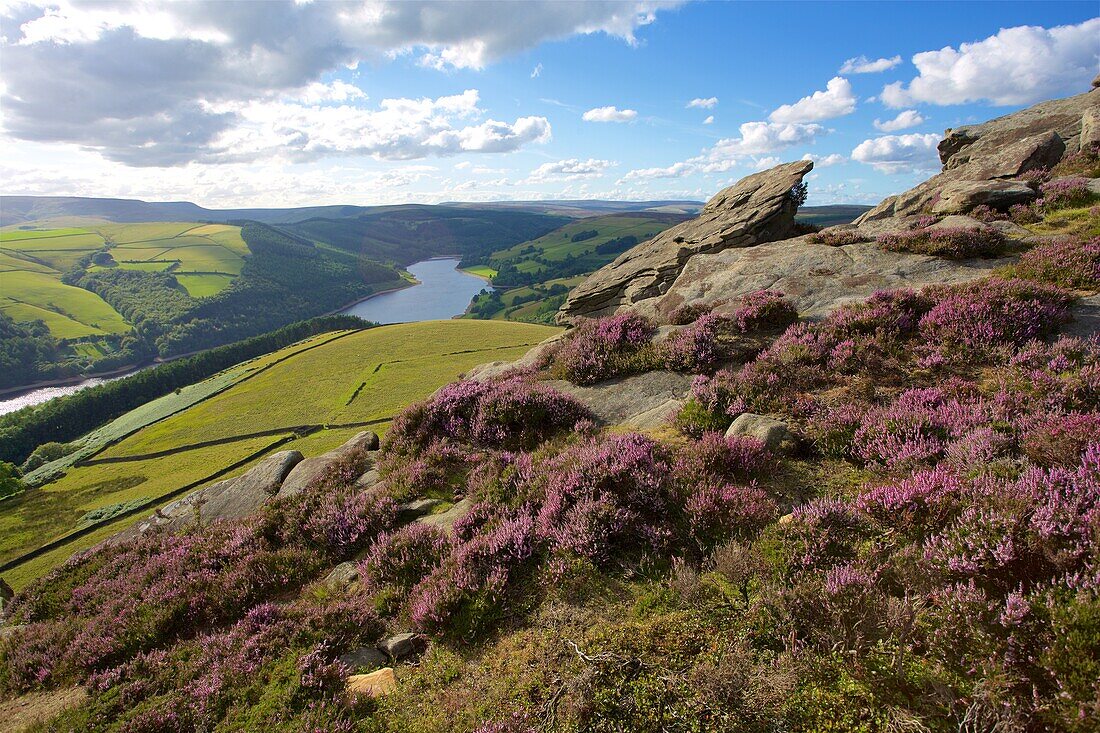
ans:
(883, 518)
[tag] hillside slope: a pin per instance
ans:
(703, 511)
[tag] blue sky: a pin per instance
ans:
(294, 104)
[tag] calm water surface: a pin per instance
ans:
(444, 292)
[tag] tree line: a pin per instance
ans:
(67, 418)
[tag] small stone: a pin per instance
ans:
(366, 657)
(399, 645)
(374, 684)
(342, 576)
(417, 508)
(368, 479)
(775, 434)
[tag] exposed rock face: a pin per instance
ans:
(311, 469)
(757, 209)
(962, 196)
(342, 576)
(618, 400)
(816, 278)
(1003, 148)
(774, 433)
(230, 499)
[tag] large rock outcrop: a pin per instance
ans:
(1001, 149)
(757, 209)
(816, 278)
(229, 499)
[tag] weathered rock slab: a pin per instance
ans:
(400, 645)
(960, 197)
(658, 417)
(758, 208)
(312, 469)
(774, 433)
(617, 400)
(229, 499)
(342, 576)
(367, 657)
(815, 277)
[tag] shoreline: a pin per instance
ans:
(407, 284)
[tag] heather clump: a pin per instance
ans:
(505, 414)
(606, 347)
(979, 316)
(1067, 262)
(697, 347)
(763, 310)
(399, 559)
(834, 237)
(687, 313)
(1063, 193)
(955, 244)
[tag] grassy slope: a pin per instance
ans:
(396, 365)
(205, 258)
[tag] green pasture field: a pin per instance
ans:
(17, 233)
(348, 377)
(558, 244)
(206, 256)
(481, 271)
(73, 312)
(12, 261)
(36, 516)
(201, 286)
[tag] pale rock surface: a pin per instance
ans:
(775, 433)
(816, 278)
(374, 684)
(311, 469)
(757, 209)
(617, 400)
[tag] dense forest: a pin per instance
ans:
(67, 418)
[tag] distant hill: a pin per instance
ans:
(579, 208)
(832, 215)
(20, 209)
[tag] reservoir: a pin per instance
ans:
(444, 292)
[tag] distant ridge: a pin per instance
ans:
(24, 209)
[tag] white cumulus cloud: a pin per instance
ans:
(905, 119)
(157, 83)
(535, 72)
(835, 101)
(610, 114)
(864, 65)
(1020, 65)
(709, 120)
(824, 161)
(572, 169)
(899, 153)
(700, 103)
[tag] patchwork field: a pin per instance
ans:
(204, 257)
(328, 383)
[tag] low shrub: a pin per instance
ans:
(1063, 193)
(763, 310)
(606, 347)
(511, 413)
(1069, 263)
(834, 237)
(955, 244)
(697, 347)
(687, 313)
